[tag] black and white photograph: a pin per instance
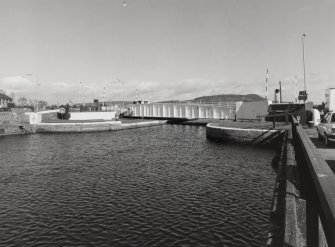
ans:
(167, 123)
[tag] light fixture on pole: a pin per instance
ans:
(281, 99)
(266, 84)
(303, 59)
(36, 92)
(122, 90)
(276, 92)
(81, 91)
(103, 101)
(303, 94)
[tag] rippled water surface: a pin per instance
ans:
(158, 186)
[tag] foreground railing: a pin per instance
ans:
(318, 188)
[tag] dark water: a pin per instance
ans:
(159, 186)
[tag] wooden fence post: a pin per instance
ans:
(312, 219)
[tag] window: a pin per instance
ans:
(333, 118)
(325, 118)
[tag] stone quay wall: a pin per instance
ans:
(251, 136)
(14, 123)
(49, 117)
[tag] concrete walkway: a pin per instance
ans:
(66, 126)
(327, 152)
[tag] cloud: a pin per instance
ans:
(17, 83)
(62, 85)
(195, 87)
(184, 89)
(315, 86)
(20, 86)
(188, 88)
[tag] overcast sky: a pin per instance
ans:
(79, 50)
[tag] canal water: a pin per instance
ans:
(158, 186)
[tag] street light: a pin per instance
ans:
(303, 59)
(36, 92)
(123, 90)
(81, 90)
(103, 97)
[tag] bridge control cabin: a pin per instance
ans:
(279, 110)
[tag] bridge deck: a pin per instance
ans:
(328, 153)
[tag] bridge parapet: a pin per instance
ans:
(185, 111)
(318, 188)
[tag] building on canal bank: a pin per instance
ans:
(4, 100)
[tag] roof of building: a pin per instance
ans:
(4, 96)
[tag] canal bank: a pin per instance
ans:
(15, 123)
(262, 134)
(93, 126)
(22, 123)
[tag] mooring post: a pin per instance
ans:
(294, 131)
(312, 219)
(274, 119)
(286, 117)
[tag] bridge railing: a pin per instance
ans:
(318, 188)
(227, 104)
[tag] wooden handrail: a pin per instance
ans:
(323, 184)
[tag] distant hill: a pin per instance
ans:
(220, 98)
(229, 98)
(172, 101)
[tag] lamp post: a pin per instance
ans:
(103, 101)
(281, 99)
(36, 92)
(122, 91)
(81, 90)
(303, 59)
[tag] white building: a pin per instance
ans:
(4, 99)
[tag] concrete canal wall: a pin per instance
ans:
(305, 195)
(92, 115)
(141, 124)
(243, 135)
(92, 126)
(62, 127)
(317, 189)
(51, 116)
(14, 123)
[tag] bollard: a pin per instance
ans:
(286, 117)
(274, 120)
